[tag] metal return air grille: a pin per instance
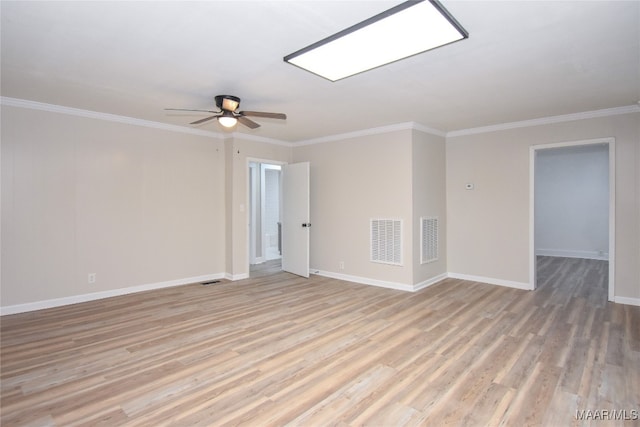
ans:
(386, 241)
(428, 240)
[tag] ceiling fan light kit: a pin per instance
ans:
(227, 119)
(405, 30)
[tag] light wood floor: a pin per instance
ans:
(281, 350)
(266, 268)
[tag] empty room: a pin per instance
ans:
(316, 213)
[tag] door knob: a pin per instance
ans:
(306, 224)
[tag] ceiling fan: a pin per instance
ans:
(228, 116)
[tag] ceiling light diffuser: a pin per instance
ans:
(405, 30)
(227, 119)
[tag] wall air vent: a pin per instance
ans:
(428, 239)
(386, 241)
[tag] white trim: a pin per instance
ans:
(627, 300)
(607, 112)
(372, 131)
(247, 198)
(532, 217)
(612, 218)
(75, 299)
(565, 253)
(32, 105)
(429, 130)
(252, 212)
(23, 103)
(381, 283)
(263, 201)
(235, 277)
(429, 282)
(491, 281)
(267, 161)
(248, 137)
(363, 280)
(423, 284)
(564, 144)
(58, 302)
(612, 205)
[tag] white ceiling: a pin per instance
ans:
(523, 60)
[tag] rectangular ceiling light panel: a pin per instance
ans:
(405, 30)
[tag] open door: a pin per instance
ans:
(295, 218)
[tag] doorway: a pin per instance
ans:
(265, 241)
(573, 208)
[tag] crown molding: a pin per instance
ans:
(372, 131)
(427, 129)
(33, 105)
(607, 112)
(248, 137)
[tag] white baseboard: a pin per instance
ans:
(627, 300)
(492, 281)
(363, 280)
(57, 302)
(380, 283)
(564, 253)
(421, 285)
(429, 282)
(413, 288)
(234, 277)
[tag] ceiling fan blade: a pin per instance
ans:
(280, 116)
(206, 119)
(187, 109)
(248, 122)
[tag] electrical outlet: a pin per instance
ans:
(92, 278)
(341, 265)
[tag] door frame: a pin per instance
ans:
(263, 172)
(611, 142)
(254, 170)
(247, 168)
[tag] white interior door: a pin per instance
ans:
(295, 218)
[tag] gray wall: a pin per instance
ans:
(488, 228)
(135, 205)
(142, 206)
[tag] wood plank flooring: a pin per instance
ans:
(266, 268)
(282, 350)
